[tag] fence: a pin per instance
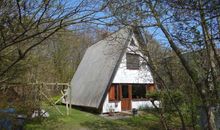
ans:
(27, 97)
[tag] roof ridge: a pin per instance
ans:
(96, 43)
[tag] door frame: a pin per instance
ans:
(126, 100)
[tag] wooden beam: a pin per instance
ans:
(48, 84)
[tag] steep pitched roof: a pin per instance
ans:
(97, 68)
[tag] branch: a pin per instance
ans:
(45, 9)
(22, 56)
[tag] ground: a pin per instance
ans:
(79, 120)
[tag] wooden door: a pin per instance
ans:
(126, 97)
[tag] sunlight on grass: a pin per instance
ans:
(83, 120)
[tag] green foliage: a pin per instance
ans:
(55, 60)
(175, 96)
(154, 95)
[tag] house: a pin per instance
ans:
(112, 76)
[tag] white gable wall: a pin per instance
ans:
(124, 75)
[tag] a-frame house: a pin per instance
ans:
(112, 76)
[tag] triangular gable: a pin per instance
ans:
(126, 75)
(96, 70)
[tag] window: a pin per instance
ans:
(132, 61)
(132, 42)
(124, 91)
(138, 91)
(114, 93)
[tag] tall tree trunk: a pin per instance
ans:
(192, 74)
(210, 48)
(211, 59)
(160, 80)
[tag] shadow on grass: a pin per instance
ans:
(41, 124)
(102, 124)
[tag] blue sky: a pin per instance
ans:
(156, 33)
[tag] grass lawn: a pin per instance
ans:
(79, 120)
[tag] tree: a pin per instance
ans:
(188, 27)
(27, 23)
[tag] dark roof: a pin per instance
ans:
(97, 68)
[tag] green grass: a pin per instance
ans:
(79, 120)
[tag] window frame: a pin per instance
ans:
(132, 65)
(149, 89)
(144, 87)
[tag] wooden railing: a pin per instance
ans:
(40, 86)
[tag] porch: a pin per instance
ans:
(124, 97)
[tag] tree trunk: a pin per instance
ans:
(210, 48)
(155, 74)
(192, 74)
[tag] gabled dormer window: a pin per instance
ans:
(132, 61)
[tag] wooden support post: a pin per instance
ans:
(68, 101)
(67, 108)
(51, 102)
(38, 92)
